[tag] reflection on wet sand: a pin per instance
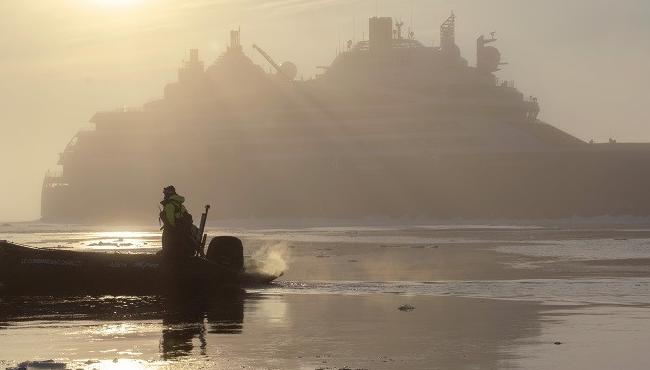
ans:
(183, 317)
(283, 331)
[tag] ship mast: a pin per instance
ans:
(448, 33)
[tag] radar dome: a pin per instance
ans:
(490, 58)
(289, 70)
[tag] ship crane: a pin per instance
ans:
(287, 70)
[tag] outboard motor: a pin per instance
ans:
(227, 251)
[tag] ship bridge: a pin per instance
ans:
(391, 59)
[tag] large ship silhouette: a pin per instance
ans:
(392, 129)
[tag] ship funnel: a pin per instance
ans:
(381, 34)
(235, 41)
(194, 56)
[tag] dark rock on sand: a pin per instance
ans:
(48, 364)
(406, 308)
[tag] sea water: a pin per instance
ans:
(314, 304)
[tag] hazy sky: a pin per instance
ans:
(63, 60)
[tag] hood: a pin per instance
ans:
(174, 198)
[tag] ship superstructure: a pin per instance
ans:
(391, 129)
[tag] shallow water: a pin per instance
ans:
(584, 249)
(622, 291)
(484, 297)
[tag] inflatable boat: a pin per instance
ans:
(28, 270)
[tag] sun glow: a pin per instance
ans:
(116, 3)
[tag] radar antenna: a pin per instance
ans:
(399, 26)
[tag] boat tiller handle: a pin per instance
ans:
(202, 236)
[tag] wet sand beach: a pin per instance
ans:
(471, 297)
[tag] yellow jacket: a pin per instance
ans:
(173, 209)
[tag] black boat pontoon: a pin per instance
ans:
(27, 270)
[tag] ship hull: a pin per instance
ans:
(587, 182)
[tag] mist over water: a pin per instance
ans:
(67, 60)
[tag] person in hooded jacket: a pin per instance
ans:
(177, 225)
